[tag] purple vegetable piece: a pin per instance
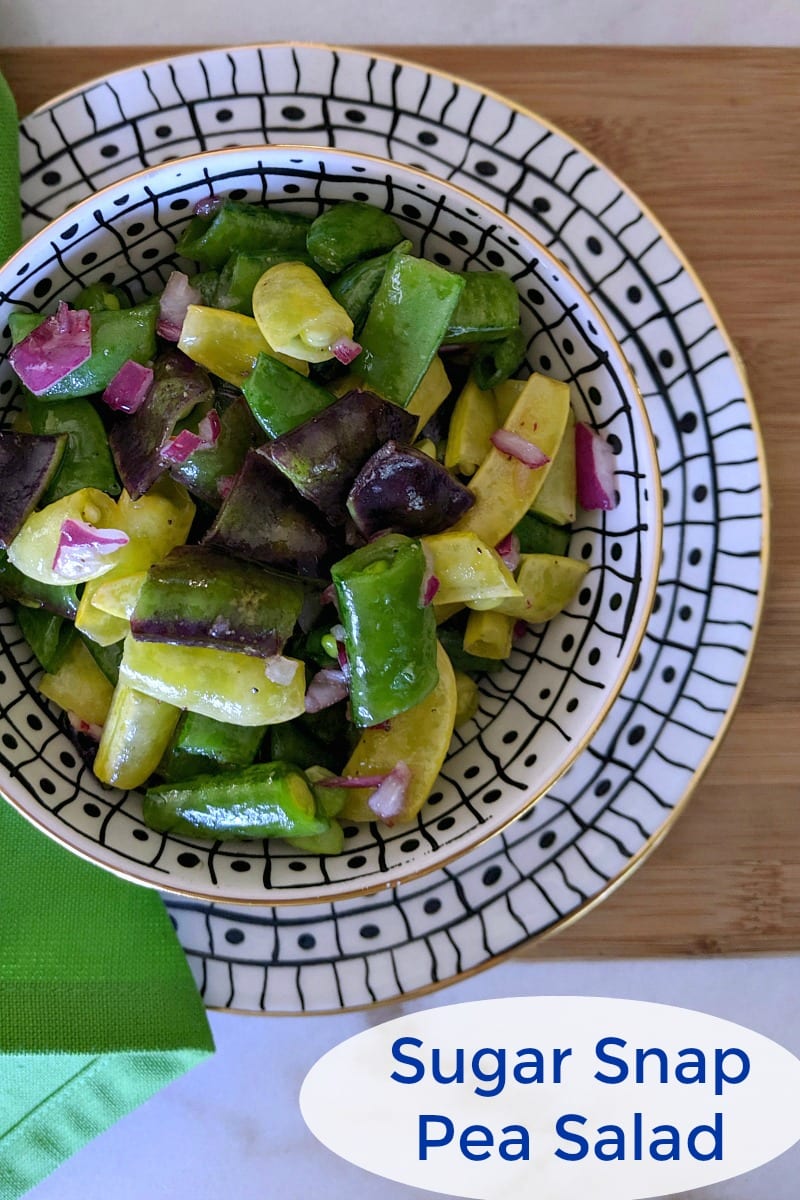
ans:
(28, 462)
(403, 490)
(323, 455)
(203, 471)
(179, 385)
(264, 520)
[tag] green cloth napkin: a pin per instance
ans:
(98, 1008)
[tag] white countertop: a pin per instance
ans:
(232, 1126)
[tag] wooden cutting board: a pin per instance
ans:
(708, 139)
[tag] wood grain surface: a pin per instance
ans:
(708, 138)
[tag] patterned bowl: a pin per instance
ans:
(535, 715)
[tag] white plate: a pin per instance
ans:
(623, 791)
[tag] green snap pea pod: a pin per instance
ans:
(452, 640)
(496, 361)
(487, 310)
(108, 658)
(265, 800)
(280, 398)
(47, 634)
(390, 638)
(117, 335)
(537, 536)
(198, 596)
(241, 273)
(246, 228)
(291, 742)
(206, 283)
(356, 286)
(87, 459)
(56, 598)
(201, 745)
(405, 327)
(348, 232)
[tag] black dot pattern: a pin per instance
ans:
(574, 841)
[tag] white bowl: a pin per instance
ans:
(535, 715)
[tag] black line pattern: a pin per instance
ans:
(622, 789)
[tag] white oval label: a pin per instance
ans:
(555, 1096)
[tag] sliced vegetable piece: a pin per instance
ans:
(355, 288)
(162, 517)
(469, 571)
(35, 547)
(281, 399)
(56, 598)
(504, 487)
(390, 639)
(402, 489)
(487, 310)
(227, 343)
(297, 314)
(28, 462)
(79, 685)
(406, 323)
(47, 634)
(467, 695)
(472, 424)
(95, 621)
(198, 596)
(557, 498)
(452, 640)
(548, 582)
(241, 273)
(419, 737)
(136, 733)
(265, 800)
(87, 459)
(179, 386)
(537, 536)
(245, 228)
(264, 520)
(201, 745)
(489, 634)
(222, 684)
(323, 455)
(496, 361)
(350, 231)
(432, 391)
(107, 658)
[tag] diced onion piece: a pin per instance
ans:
(128, 390)
(389, 800)
(594, 469)
(430, 582)
(518, 447)
(281, 670)
(207, 206)
(175, 299)
(224, 485)
(60, 344)
(328, 687)
(81, 547)
(508, 550)
(179, 448)
(338, 632)
(345, 350)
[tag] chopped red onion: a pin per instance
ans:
(224, 485)
(346, 350)
(430, 584)
(175, 299)
(60, 344)
(519, 447)
(281, 670)
(519, 630)
(389, 800)
(128, 390)
(508, 550)
(338, 632)
(594, 468)
(179, 448)
(81, 548)
(343, 663)
(328, 595)
(95, 732)
(352, 781)
(208, 206)
(328, 687)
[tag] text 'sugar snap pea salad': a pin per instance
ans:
(264, 530)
